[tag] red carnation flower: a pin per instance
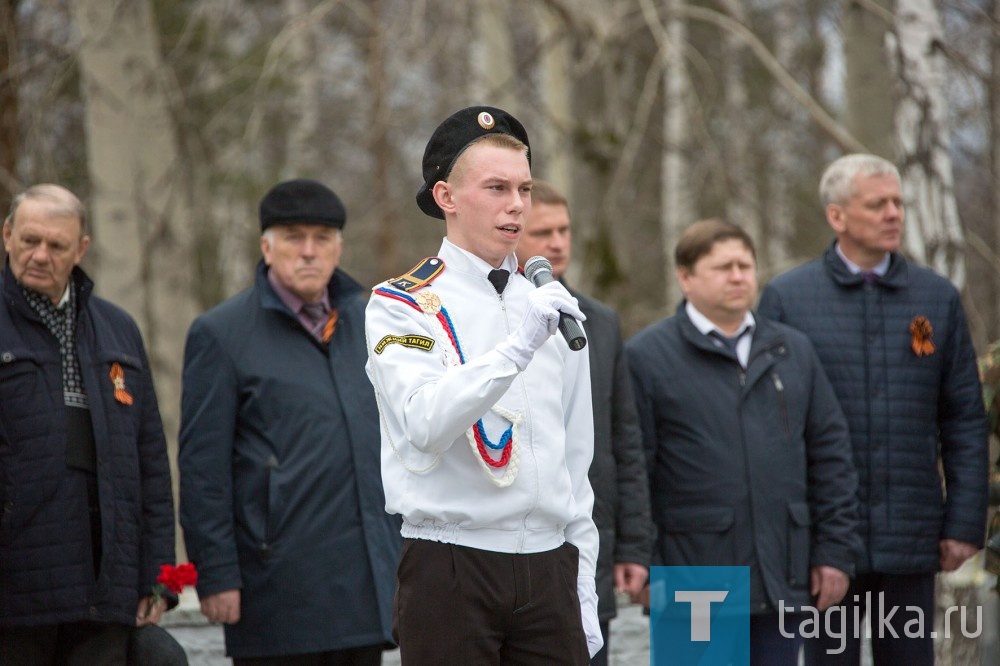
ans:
(174, 579)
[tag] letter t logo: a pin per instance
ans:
(701, 610)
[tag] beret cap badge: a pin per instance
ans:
(486, 121)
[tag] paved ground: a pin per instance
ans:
(629, 635)
(204, 645)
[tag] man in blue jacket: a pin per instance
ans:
(896, 346)
(746, 447)
(86, 511)
(281, 494)
(618, 471)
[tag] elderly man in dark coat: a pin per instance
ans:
(86, 512)
(281, 494)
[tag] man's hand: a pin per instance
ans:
(143, 614)
(954, 553)
(630, 578)
(828, 585)
(223, 607)
(642, 597)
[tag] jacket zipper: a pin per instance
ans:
(779, 386)
(269, 517)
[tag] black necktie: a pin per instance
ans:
(726, 341)
(870, 277)
(498, 278)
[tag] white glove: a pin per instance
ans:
(586, 589)
(540, 321)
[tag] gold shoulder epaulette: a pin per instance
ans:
(419, 276)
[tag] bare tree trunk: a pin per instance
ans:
(779, 227)
(227, 240)
(493, 57)
(555, 87)
(386, 251)
(676, 205)
(934, 233)
(869, 81)
(743, 202)
(588, 135)
(303, 152)
(139, 197)
(994, 101)
(9, 128)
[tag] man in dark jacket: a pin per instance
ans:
(281, 494)
(86, 511)
(894, 341)
(746, 447)
(618, 471)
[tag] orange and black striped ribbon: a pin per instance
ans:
(330, 326)
(118, 380)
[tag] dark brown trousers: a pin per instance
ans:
(458, 605)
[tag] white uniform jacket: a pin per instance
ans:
(436, 373)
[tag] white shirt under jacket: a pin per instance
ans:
(428, 402)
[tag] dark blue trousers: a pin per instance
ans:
(841, 645)
(770, 644)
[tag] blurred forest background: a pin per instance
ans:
(171, 118)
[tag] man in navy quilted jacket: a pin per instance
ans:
(86, 511)
(895, 344)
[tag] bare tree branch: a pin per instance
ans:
(829, 125)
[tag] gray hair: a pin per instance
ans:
(268, 234)
(837, 184)
(61, 202)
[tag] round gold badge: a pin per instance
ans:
(486, 120)
(428, 301)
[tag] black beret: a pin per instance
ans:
(452, 137)
(301, 201)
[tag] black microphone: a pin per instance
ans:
(539, 271)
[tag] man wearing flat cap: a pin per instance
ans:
(281, 495)
(487, 423)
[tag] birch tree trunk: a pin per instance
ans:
(141, 252)
(677, 202)
(934, 234)
(743, 202)
(779, 227)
